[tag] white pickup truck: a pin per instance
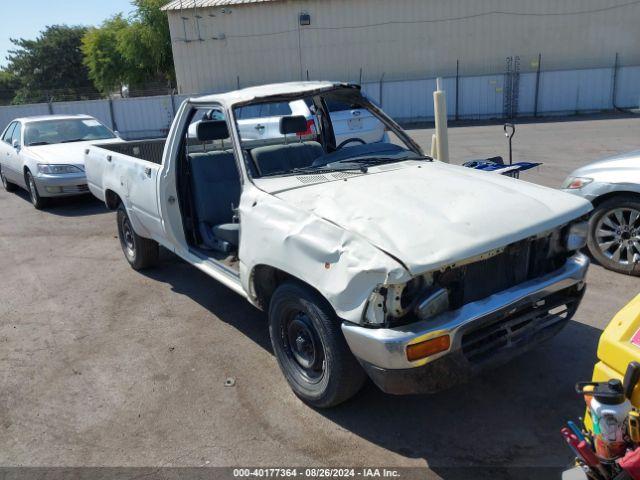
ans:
(370, 258)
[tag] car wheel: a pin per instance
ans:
(140, 252)
(614, 234)
(8, 186)
(310, 347)
(38, 202)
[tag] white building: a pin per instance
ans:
(219, 44)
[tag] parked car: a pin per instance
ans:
(45, 154)
(262, 121)
(368, 257)
(612, 185)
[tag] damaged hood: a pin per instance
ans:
(430, 214)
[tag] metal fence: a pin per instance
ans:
(506, 95)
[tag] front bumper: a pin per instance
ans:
(483, 334)
(61, 185)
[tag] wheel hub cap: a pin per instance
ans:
(303, 342)
(128, 237)
(618, 235)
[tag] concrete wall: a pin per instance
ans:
(402, 39)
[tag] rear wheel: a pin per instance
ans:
(310, 347)
(614, 234)
(140, 252)
(36, 200)
(8, 186)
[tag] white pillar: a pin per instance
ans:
(434, 146)
(440, 112)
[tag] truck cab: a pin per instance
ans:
(370, 258)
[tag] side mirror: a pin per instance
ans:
(16, 145)
(117, 133)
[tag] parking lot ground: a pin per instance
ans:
(104, 366)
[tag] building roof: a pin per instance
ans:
(184, 4)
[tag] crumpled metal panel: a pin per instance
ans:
(341, 264)
(432, 215)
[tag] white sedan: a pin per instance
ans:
(45, 154)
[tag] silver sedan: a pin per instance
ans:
(612, 185)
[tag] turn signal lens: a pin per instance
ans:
(425, 349)
(576, 183)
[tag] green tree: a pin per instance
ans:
(9, 84)
(152, 30)
(50, 66)
(135, 51)
(108, 68)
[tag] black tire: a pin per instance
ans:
(614, 235)
(319, 367)
(140, 252)
(36, 200)
(8, 186)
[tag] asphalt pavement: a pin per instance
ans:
(104, 366)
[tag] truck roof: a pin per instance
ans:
(266, 91)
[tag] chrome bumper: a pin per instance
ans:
(385, 348)
(61, 185)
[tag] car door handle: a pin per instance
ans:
(259, 127)
(147, 172)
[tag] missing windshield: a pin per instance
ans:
(334, 131)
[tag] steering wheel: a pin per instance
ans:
(348, 141)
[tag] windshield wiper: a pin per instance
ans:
(73, 140)
(379, 160)
(36, 144)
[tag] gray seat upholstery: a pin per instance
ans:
(228, 232)
(216, 192)
(282, 158)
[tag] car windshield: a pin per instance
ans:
(49, 132)
(338, 130)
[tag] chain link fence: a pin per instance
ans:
(511, 93)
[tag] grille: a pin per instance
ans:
(518, 263)
(75, 189)
(340, 175)
(312, 179)
(525, 326)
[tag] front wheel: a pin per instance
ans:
(310, 347)
(614, 234)
(36, 200)
(8, 186)
(140, 252)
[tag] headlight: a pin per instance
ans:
(575, 183)
(50, 169)
(576, 236)
(418, 299)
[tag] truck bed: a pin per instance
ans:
(149, 150)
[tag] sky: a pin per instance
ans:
(32, 16)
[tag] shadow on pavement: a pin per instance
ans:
(504, 424)
(74, 206)
(222, 302)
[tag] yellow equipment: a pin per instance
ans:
(619, 345)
